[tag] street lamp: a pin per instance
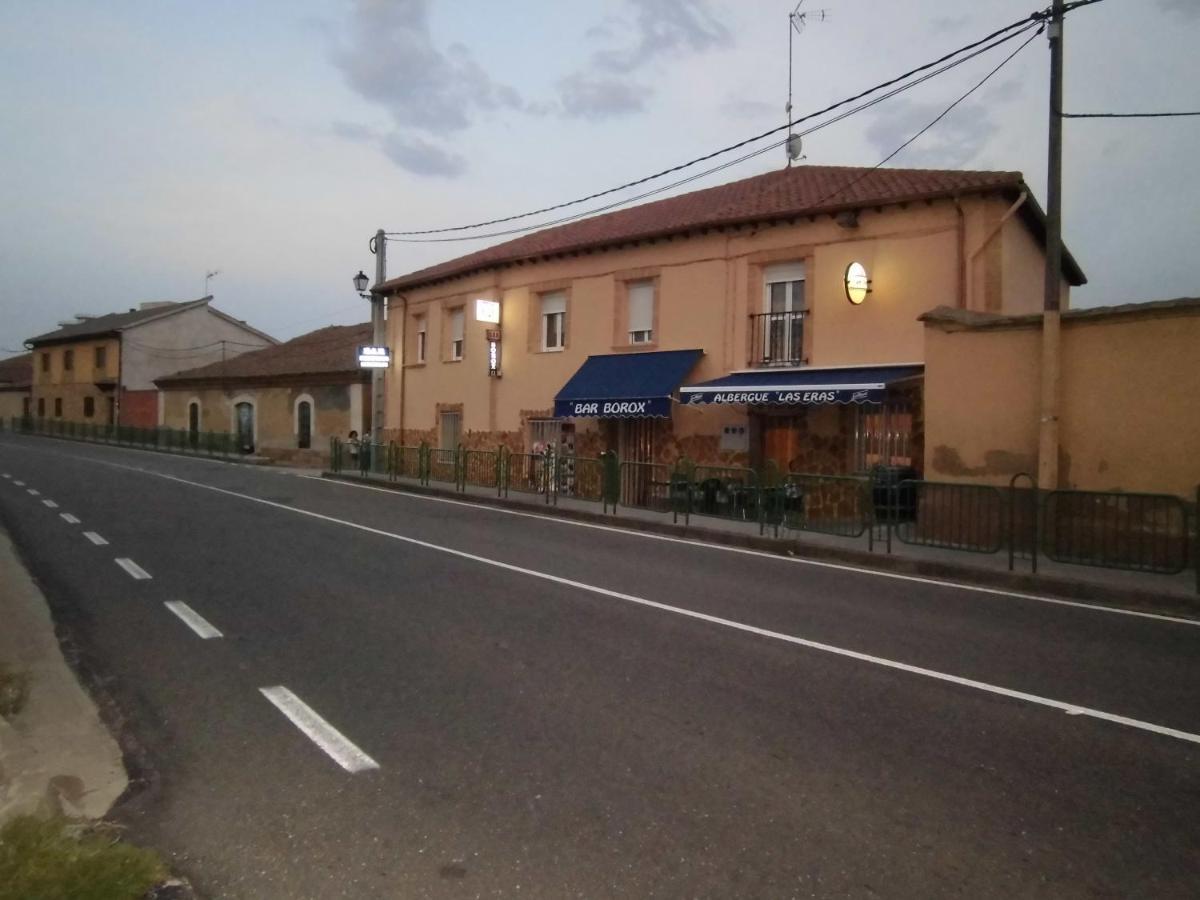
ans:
(360, 281)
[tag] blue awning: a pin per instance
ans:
(625, 385)
(800, 387)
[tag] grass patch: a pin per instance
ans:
(55, 859)
(14, 691)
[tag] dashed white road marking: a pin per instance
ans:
(193, 619)
(1069, 708)
(50, 504)
(320, 732)
(92, 536)
(5, 475)
(68, 518)
(34, 492)
(135, 571)
(19, 483)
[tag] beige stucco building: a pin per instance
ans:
(101, 369)
(1129, 405)
(284, 402)
(752, 277)
(16, 376)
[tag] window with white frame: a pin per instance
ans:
(450, 430)
(554, 320)
(457, 323)
(422, 335)
(783, 315)
(641, 312)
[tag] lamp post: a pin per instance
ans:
(378, 336)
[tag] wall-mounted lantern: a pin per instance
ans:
(858, 285)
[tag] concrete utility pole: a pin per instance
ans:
(1051, 315)
(379, 337)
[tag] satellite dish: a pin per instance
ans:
(794, 146)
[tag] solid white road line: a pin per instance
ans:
(135, 571)
(50, 504)
(68, 518)
(320, 732)
(33, 492)
(724, 548)
(193, 619)
(1070, 708)
(93, 537)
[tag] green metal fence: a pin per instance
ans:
(167, 440)
(1116, 530)
(839, 505)
(948, 515)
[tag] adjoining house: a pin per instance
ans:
(284, 402)
(101, 369)
(770, 319)
(1129, 407)
(16, 376)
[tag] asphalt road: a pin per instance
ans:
(508, 705)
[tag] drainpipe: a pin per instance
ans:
(962, 254)
(401, 355)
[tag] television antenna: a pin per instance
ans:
(209, 276)
(797, 21)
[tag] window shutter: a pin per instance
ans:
(554, 302)
(641, 306)
(456, 326)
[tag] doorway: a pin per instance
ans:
(245, 426)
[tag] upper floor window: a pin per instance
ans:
(554, 320)
(457, 324)
(68, 360)
(778, 332)
(101, 357)
(46, 361)
(641, 312)
(422, 336)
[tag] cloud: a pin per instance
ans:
(665, 27)
(735, 108)
(388, 57)
(591, 97)
(421, 157)
(1188, 9)
(951, 144)
(659, 30)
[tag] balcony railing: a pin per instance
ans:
(777, 339)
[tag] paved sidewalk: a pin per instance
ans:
(1175, 594)
(55, 755)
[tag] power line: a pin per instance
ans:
(934, 121)
(1033, 18)
(1153, 115)
(658, 190)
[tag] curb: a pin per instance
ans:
(1019, 582)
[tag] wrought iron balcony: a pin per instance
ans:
(777, 339)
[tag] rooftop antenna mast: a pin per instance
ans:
(797, 20)
(209, 276)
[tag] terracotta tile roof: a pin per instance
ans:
(326, 351)
(800, 190)
(16, 371)
(111, 323)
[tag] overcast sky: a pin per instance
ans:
(145, 143)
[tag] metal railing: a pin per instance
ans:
(952, 516)
(1150, 533)
(1116, 530)
(777, 339)
(167, 440)
(839, 505)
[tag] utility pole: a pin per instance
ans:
(1051, 313)
(379, 335)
